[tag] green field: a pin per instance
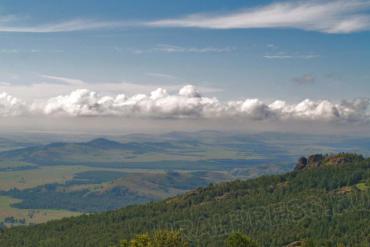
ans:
(31, 216)
(43, 175)
(11, 164)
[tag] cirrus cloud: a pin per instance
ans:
(336, 16)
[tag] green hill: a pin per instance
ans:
(99, 150)
(325, 201)
(86, 192)
(162, 154)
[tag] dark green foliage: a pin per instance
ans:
(59, 196)
(49, 197)
(12, 220)
(95, 177)
(240, 240)
(323, 205)
(160, 238)
(165, 238)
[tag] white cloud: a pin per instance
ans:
(82, 102)
(9, 51)
(66, 26)
(291, 56)
(161, 75)
(11, 106)
(52, 85)
(166, 48)
(338, 16)
(188, 103)
(328, 16)
(179, 49)
(66, 80)
(189, 91)
(16, 51)
(57, 85)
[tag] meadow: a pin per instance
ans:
(30, 216)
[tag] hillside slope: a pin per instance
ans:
(125, 189)
(327, 203)
(99, 150)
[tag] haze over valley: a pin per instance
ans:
(184, 123)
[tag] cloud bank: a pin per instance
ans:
(327, 16)
(187, 103)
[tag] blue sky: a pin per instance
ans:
(232, 50)
(235, 61)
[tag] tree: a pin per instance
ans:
(124, 243)
(142, 240)
(308, 243)
(160, 238)
(164, 238)
(240, 240)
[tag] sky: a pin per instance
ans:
(254, 61)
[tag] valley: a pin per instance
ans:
(71, 178)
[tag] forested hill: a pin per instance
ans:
(325, 200)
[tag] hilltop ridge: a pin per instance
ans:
(317, 160)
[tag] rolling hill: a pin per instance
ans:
(100, 149)
(78, 176)
(326, 200)
(87, 190)
(184, 153)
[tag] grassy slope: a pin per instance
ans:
(31, 178)
(30, 216)
(323, 204)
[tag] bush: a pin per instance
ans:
(161, 238)
(240, 240)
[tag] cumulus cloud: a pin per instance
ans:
(187, 103)
(11, 106)
(159, 103)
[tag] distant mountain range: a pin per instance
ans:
(186, 150)
(67, 153)
(270, 145)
